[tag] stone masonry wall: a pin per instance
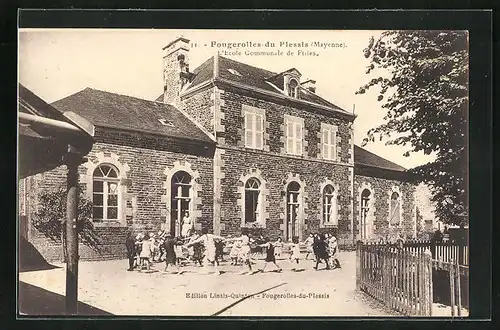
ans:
(276, 168)
(143, 161)
(275, 171)
(380, 189)
(232, 120)
(199, 106)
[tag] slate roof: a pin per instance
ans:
(365, 157)
(107, 109)
(31, 103)
(250, 76)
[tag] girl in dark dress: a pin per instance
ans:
(170, 257)
(197, 250)
(320, 250)
(270, 255)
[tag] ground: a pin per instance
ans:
(105, 287)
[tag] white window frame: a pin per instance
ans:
(392, 212)
(294, 145)
(106, 181)
(332, 216)
(329, 146)
(257, 135)
(293, 92)
(258, 210)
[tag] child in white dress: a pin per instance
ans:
(295, 255)
(278, 247)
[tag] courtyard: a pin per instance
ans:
(105, 287)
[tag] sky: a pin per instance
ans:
(55, 63)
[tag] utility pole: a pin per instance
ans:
(72, 160)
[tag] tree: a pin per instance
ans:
(422, 80)
(50, 218)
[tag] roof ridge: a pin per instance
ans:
(253, 66)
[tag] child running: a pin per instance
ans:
(179, 253)
(320, 249)
(278, 247)
(295, 255)
(146, 251)
(235, 253)
(244, 249)
(169, 245)
(270, 255)
(309, 245)
(334, 252)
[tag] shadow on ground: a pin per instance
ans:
(37, 301)
(30, 259)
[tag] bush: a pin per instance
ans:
(50, 218)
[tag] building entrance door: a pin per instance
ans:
(293, 209)
(181, 200)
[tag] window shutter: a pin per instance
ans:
(333, 155)
(259, 136)
(289, 137)
(325, 143)
(298, 139)
(248, 129)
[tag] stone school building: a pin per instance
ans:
(234, 146)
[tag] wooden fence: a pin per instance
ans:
(407, 279)
(442, 251)
(398, 278)
(451, 285)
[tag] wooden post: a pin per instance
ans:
(386, 275)
(420, 280)
(452, 287)
(72, 161)
(427, 301)
(459, 297)
(358, 265)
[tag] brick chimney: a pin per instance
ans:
(310, 85)
(175, 69)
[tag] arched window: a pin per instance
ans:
(105, 189)
(181, 199)
(365, 199)
(329, 205)
(292, 88)
(252, 194)
(395, 210)
(292, 214)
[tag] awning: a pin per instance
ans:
(46, 135)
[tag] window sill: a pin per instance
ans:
(252, 148)
(108, 224)
(253, 225)
(329, 225)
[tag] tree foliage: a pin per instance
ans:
(50, 218)
(422, 80)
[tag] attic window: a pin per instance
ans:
(293, 88)
(165, 122)
(236, 73)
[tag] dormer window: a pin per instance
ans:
(165, 122)
(234, 72)
(293, 85)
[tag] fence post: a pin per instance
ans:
(452, 287)
(459, 291)
(359, 246)
(386, 275)
(427, 299)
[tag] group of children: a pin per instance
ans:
(147, 248)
